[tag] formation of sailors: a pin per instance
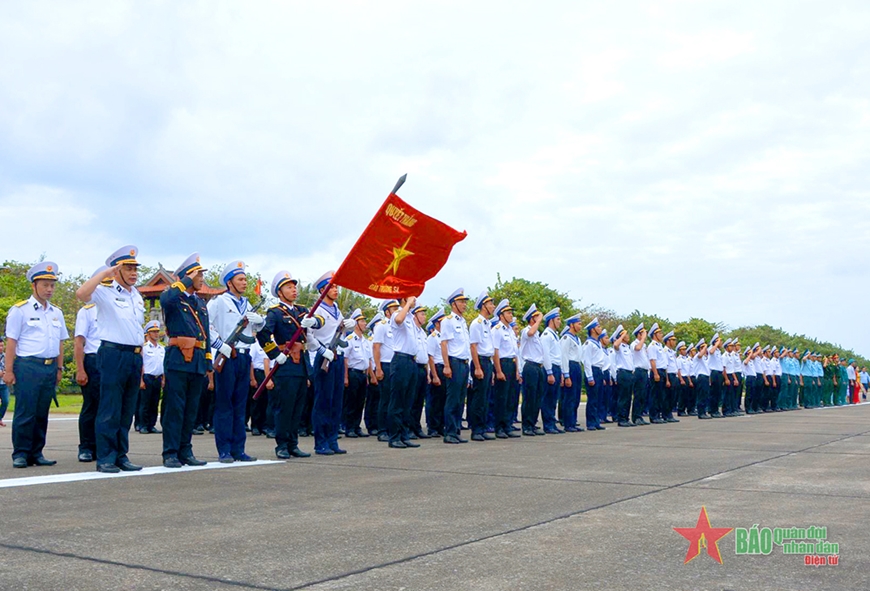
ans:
(385, 373)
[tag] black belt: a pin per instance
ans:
(403, 355)
(534, 364)
(39, 360)
(129, 348)
(90, 354)
(441, 365)
(362, 371)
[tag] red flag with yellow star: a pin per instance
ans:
(399, 251)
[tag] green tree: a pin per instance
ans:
(522, 293)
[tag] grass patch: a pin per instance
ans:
(70, 404)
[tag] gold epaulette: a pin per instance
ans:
(179, 285)
(21, 303)
(88, 306)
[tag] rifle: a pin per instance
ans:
(235, 337)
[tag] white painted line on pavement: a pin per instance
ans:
(80, 476)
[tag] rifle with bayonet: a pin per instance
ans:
(237, 336)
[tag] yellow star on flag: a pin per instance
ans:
(398, 254)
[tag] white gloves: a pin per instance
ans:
(281, 359)
(254, 319)
(328, 355)
(348, 323)
(225, 350)
(308, 322)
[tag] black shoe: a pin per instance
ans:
(600, 428)
(282, 454)
(337, 450)
(19, 463)
(551, 431)
(142, 430)
(656, 421)
(211, 430)
(383, 436)
(270, 434)
(171, 463)
(298, 453)
(409, 443)
(421, 435)
(108, 468)
(86, 456)
(41, 461)
(478, 437)
(432, 433)
(192, 461)
(154, 430)
(451, 439)
(352, 434)
(360, 433)
(539, 432)
(501, 434)
(639, 421)
(680, 413)
(256, 432)
(324, 452)
(397, 444)
(624, 424)
(412, 435)
(672, 420)
(198, 431)
(128, 466)
(225, 459)
(528, 432)
(718, 415)
(704, 416)
(512, 434)
(461, 440)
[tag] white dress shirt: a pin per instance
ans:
(38, 330)
(121, 314)
(86, 327)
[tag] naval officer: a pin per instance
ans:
(121, 313)
(34, 364)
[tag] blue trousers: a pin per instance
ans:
(403, 387)
(551, 399)
(90, 404)
(4, 399)
(181, 394)
(435, 398)
(640, 390)
(477, 398)
(593, 398)
(120, 375)
(534, 383)
(35, 383)
(384, 398)
(231, 386)
(571, 396)
(503, 394)
(456, 385)
(328, 399)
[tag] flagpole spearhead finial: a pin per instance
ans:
(399, 183)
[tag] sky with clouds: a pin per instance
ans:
(681, 158)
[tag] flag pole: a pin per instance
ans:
(289, 344)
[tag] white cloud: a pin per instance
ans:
(684, 158)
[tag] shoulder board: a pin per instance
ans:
(179, 285)
(369, 337)
(274, 306)
(382, 322)
(478, 320)
(88, 306)
(21, 303)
